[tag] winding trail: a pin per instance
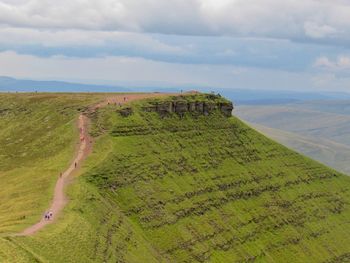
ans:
(59, 197)
(84, 149)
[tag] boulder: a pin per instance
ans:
(125, 112)
(226, 109)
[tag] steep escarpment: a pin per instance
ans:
(195, 105)
(204, 187)
(170, 185)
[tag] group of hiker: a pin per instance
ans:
(48, 215)
(118, 103)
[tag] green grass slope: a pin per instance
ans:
(193, 189)
(37, 141)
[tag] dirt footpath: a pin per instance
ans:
(84, 149)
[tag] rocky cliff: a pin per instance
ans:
(181, 105)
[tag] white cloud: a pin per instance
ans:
(244, 34)
(309, 19)
(314, 30)
(139, 70)
(338, 64)
(87, 38)
(102, 68)
(143, 70)
(323, 62)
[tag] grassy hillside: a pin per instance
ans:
(37, 140)
(193, 189)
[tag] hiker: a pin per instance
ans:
(50, 215)
(60, 174)
(124, 98)
(46, 216)
(75, 164)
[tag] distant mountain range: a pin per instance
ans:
(8, 84)
(238, 96)
(271, 97)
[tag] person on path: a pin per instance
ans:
(50, 215)
(75, 164)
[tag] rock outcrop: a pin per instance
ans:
(181, 107)
(126, 112)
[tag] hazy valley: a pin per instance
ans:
(319, 129)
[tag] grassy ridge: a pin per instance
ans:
(193, 189)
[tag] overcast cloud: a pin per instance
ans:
(316, 20)
(309, 39)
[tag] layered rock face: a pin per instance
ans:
(198, 107)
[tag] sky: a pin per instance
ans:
(232, 44)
